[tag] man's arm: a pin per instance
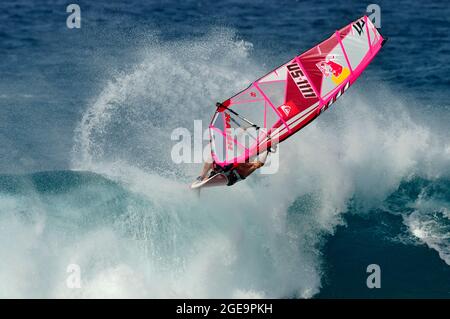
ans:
(260, 161)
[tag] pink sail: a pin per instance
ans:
(288, 98)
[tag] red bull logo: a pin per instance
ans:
(330, 67)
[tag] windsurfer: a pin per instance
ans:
(234, 172)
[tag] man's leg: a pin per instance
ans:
(207, 166)
(205, 170)
(261, 159)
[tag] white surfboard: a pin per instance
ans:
(215, 180)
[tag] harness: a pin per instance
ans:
(230, 172)
(234, 177)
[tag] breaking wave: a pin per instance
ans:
(126, 217)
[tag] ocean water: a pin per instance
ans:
(86, 176)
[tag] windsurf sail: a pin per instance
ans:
(285, 100)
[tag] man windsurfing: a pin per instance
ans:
(285, 100)
(233, 172)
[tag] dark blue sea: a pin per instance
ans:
(87, 181)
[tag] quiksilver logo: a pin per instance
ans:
(286, 109)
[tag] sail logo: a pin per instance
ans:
(301, 81)
(359, 26)
(229, 137)
(286, 109)
(330, 67)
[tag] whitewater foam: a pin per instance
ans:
(430, 223)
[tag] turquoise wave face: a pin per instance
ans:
(139, 242)
(408, 236)
(134, 243)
